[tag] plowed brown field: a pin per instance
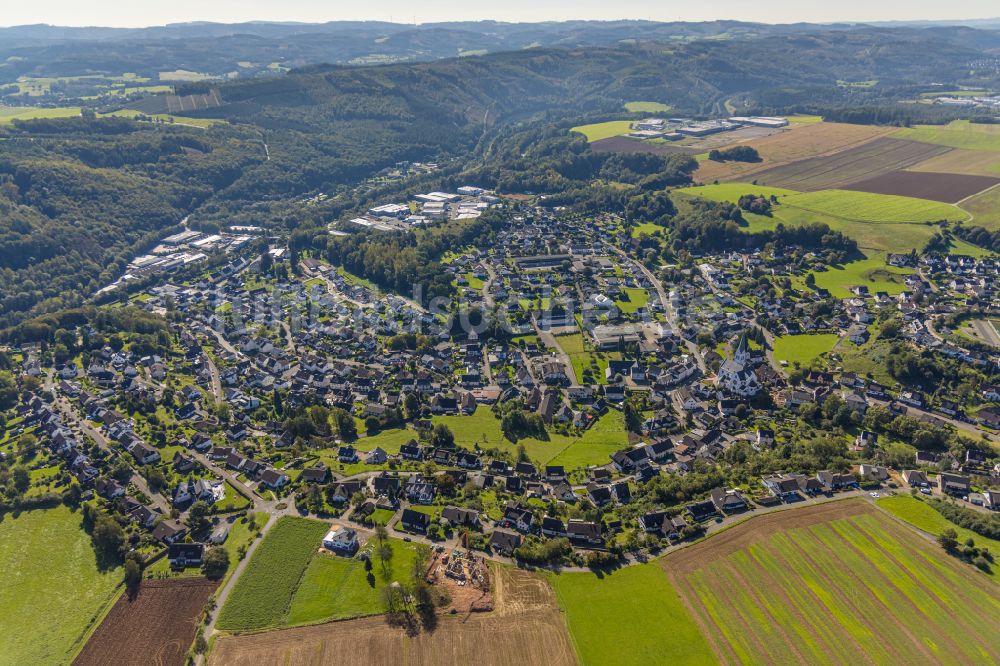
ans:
(156, 628)
(946, 187)
(526, 628)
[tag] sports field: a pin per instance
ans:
(53, 590)
(647, 107)
(836, 583)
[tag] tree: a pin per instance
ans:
(198, 516)
(20, 479)
(133, 575)
(948, 539)
(442, 437)
(8, 390)
(216, 562)
(108, 537)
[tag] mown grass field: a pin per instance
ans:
(52, 590)
(803, 349)
(924, 517)
(335, 588)
(637, 298)
(868, 207)
(597, 443)
(9, 114)
(984, 209)
(647, 107)
(263, 593)
(732, 192)
(583, 358)
(872, 272)
(836, 583)
(598, 131)
(631, 616)
(958, 134)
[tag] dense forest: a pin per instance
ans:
(79, 197)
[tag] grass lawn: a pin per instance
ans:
(636, 602)
(263, 593)
(802, 349)
(336, 588)
(647, 228)
(597, 443)
(382, 516)
(583, 357)
(872, 272)
(390, 440)
(924, 517)
(868, 360)
(53, 590)
(637, 298)
(868, 207)
(598, 131)
(647, 107)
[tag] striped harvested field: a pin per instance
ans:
(872, 159)
(836, 583)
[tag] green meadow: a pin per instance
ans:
(598, 131)
(803, 349)
(53, 590)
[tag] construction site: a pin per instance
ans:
(465, 576)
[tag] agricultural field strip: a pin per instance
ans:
(944, 187)
(263, 594)
(882, 155)
(851, 566)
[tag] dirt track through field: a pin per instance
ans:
(526, 628)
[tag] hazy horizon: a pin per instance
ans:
(103, 13)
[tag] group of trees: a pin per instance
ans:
(735, 154)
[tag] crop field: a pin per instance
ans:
(970, 162)
(156, 627)
(53, 589)
(835, 583)
(868, 207)
(638, 602)
(800, 141)
(335, 588)
(526, 627)
(871, 272)
(957, 134)
(945, 187)
(984, 209)
(803, 349)
(263, 593)
(870, 159)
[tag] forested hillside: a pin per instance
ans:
(79, 197)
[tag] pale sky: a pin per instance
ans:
(126, 13)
